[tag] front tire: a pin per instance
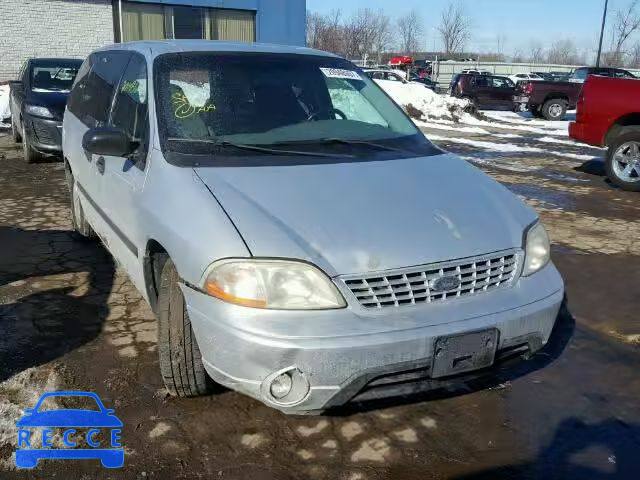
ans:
(623, 161)
(181, 363)
(80, 224)
(30, 154)
(554, 110)
(17, 138)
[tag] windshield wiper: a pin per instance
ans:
(262, 149)
(344, 141)
(362, 142)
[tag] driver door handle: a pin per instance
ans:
(100, 165)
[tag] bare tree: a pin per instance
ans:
(626, 24)
(634, 56)
(454, 28)
(366, 32)
(518, 57)
(410, 30)
(536, 52)
(383, 36)
(564, 52)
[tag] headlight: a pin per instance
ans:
(537, 249)
(38, 111)
(272, 284)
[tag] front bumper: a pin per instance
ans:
(43, 134)
(342, 353)
(582, 133)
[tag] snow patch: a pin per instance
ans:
(424, 104)
(452, 126)
(5, 113)
(510, 148)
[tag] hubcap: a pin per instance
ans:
(555, 110)
(626, 162)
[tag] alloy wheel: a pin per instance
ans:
(626, 162)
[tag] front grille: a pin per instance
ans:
(415, 285)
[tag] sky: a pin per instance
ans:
(518, 21)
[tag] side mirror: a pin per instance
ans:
(108, 141)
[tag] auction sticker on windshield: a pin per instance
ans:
(340, 73)
(92, 433)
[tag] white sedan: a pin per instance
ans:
(525, 77)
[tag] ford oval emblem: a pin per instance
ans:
(445, 284)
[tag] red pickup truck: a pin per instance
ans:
(608, 115)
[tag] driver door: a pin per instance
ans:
(123, 177)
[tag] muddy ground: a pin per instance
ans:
(70, 320)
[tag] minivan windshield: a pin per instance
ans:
(213, 98)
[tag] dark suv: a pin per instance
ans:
(484, 91)
(37, 101)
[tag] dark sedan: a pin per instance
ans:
(37, 103)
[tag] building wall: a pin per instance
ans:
(51, 28)
(73, 28)
(277, 21)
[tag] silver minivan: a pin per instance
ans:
(298, 238)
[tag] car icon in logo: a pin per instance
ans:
(69, 419)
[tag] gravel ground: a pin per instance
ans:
(70, 319)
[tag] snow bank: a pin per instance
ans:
(4, 103)
(424, 104)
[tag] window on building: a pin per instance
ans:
(142, 21)
(149, 21)
(237, 25)
(188, 22)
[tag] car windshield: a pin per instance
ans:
(54, 76)
(269, 99)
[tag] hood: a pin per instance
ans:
(361, 217)
(54, 101)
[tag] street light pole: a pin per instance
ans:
(604, 21)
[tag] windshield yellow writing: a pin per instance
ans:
(184, 109)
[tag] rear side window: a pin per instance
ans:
(580, 74)
(92, 95)
(130, 109)
(481, 81)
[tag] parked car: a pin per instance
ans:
(475, 72)
(525, 77)
(580, 75)
(549, 100)
(225, 215)
(548, 76)
(484, 91)
(401, 60)
(608, 115)
(399, 76)
(37, 100)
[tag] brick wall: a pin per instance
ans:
(51, 28)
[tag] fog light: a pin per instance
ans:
(281, 386)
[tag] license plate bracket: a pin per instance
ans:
(464, 353)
